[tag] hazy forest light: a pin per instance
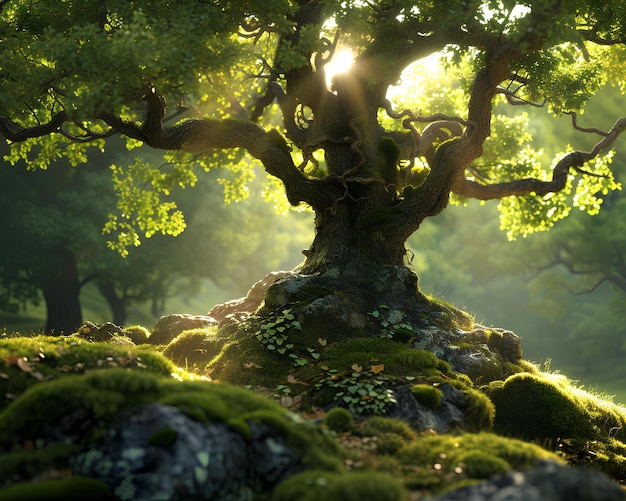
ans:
(340, 63)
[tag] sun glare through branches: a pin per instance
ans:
(340, 63)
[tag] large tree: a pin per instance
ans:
(76, 73)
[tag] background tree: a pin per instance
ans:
(53, 246)
(51, 225)
(70, 80)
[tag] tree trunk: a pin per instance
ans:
(61, 289)
(117, 304)
(355, 265)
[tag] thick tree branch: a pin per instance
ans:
(16, 133)
(203, 135)
(199, 136)
(526, 186)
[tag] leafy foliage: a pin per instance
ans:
(70, 82)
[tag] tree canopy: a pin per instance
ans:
(207, 80)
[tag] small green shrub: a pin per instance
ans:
(339, 420)
(427, 395)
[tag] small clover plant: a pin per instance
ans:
(361, 392)
(391, 322)
(274, 335)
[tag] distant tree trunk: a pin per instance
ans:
(158, 305)
(117, 303)
(61, 289)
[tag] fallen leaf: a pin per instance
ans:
(23, 364)
(356, 367)
(377, 368)
(286, 401)
(291, 379)
(252, 365)
(322, 341)
(3, 375)
(10, 360)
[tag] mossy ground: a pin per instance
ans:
(45, 380)
(27, 361)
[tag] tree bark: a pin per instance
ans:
(117, 304)
(61, 289)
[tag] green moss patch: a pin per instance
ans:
(449, 316)
(29, 462)
(547, 406)
(427, 395)
(137, 334)
(83, 408)
(443, 461)
(69, 489)
(26, 361)
(479, 412)
(356, 486)
(550, 409)
(193, 349)
(391, 434)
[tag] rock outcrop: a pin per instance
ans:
(170, 326)
(156, 451)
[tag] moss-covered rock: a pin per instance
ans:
(27, 361)
(358, 486)
(550, 409)
(540, 407)
(170, 326)
(439, 462)
(137, 334)
(427, 395)
(81, 411)
(194, 348)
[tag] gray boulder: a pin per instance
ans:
(169, 327)
(156, 452)
(447, 417)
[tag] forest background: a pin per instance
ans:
(558, 290)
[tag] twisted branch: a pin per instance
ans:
(526, 186)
